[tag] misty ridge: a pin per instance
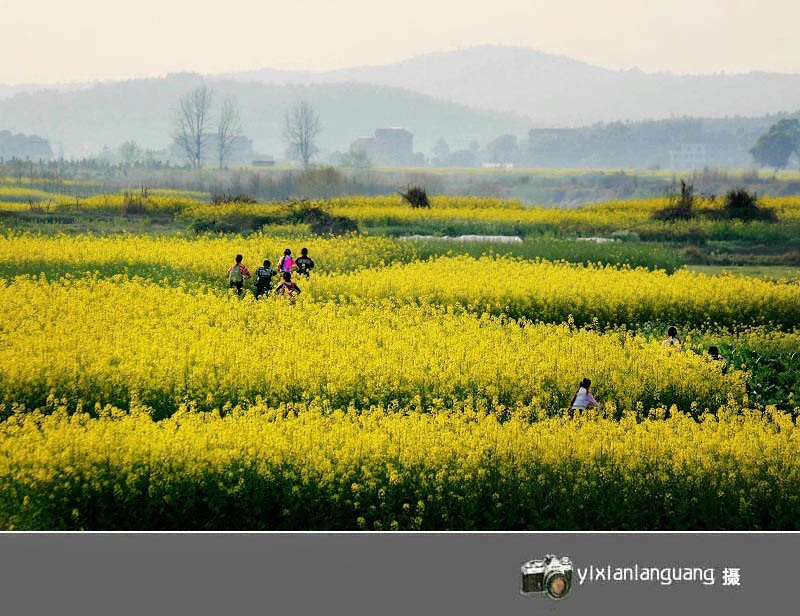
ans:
(461, 98)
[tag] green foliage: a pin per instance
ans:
(320, 221)
(416, 196)
(742, 205)
(681, 205)
(774, 148)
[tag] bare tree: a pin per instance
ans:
(228, 130)
(300, 131)
(130, 152)
(192, 123)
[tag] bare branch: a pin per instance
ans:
(192, 123)
(228, 130)
(301, 127)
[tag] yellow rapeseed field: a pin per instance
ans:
(396, 392)
(116, 341)
(308, 468)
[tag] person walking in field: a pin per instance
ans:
(236, 275)
(287, 288)
(286, 264)
(304, 263)
(264, 276)
(672, 339)
(713, 353)
(583, 398)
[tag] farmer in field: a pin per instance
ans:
(264, 276)
(286, 264)
(236, 275)
(672, 339)
(304, 264)
(287, 288)
(583, 398)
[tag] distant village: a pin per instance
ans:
(654, 145)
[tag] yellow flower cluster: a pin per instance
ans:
(309, 468)
(203, 259)
(378, 268)
(116, 340)
(551, 292)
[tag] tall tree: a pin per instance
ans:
(301, 127)
(441, 149)
(503, 149)
(130, 152)
(774, 148)
(228, 130)
(192, 123)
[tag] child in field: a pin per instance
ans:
(236, 275)
(304, 264)
(583, 399)
(264, 276)
(713, 353)
(286, 264)
(672, 339)
(287, 288)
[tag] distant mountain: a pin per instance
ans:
(83, 121)
(558, 91)
(7, 91)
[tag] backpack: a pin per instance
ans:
(236, 274)
(286, 263)
(264, 275)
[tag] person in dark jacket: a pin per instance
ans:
(304, 264)
(264, 276)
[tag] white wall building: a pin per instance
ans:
(688, 156)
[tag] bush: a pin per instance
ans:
(320, 221)
(416, 197)
(742, 205)
(681, 206)
(133, 204)
(222, 199)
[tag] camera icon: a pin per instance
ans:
(551, 575)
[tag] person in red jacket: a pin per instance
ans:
(236, 275)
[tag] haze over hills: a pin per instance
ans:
(558, 91)
(82, 121)
(461, 96)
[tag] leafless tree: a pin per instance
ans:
(228, 130)
(300, 131)
(192, 123)
(130, 152)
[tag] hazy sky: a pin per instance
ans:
(79, 40)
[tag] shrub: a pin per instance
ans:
(133, 204)
(681, 206)
(742, 205)
(221, 199)
(320, 221)
(416, 197)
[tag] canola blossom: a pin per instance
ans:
(116, 341)
(398, 391)
(378, 268)
(552, 292)
(307, 468)
(193, 259)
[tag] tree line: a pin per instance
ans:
(194, 127)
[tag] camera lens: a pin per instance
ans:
(557, 586)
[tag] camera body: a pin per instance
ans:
(551, 575)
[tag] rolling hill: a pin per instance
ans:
(558, 91)
(106, 114)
